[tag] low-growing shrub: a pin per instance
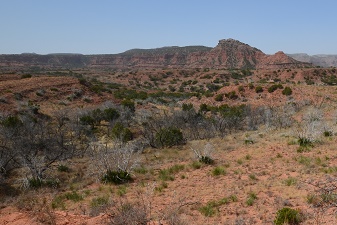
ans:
(39, 183)
(251, 199)
(168, 137)
(206, 160)
(219, 170)
(196, 165)
(218, 98)
(116, 177)
(121, 133)
(231, 95)
(63, 168)
(24, 76)
(288, 216)
(287, 91)
(258, 89)
(73, 196)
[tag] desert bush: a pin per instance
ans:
(116, 177)
(24, 76)
(96, 116)
(218, 98)
(99, 205)
(258, 89)
(207, 210)
(212, 207)
(129, 214)
(196, 164)
(121, 133)
(168, 137)
(187, 107)
(241, 89)
(219, 170)
(130, 94)
(204, 155)
(129, 104)
(228, 118)
(274, 87)
(287, 91)
(251, 199)
(63, 168)
(288, 216)
(290, 181)
(231, 95)
(279, 117)
(327, 133)
(38, 183)
(310, 128)
(114, 163)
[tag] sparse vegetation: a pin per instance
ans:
(136, 146)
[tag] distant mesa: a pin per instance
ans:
(228, 54)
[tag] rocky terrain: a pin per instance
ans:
(223, 135)
(229, 53)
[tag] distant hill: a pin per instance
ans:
(318, 60)
(228, 54)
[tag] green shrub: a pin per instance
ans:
(287, 91)
(176, 168)
(252, 176)
(196, 164)
(39, 183)
(274, 87)
(213, 206)
(327, 133)
(207, 210)
(58, 202)
(11, 121)
(218, 98)
(122, 133)
(141, 170)
(241, 89)
(116, 177)
(24, 76)
(219, 170)
(110, 114)
(187, 107)
(168, 137)
(165, 175)
(290, 181)
(99, 201)
(63, 168)
(73, 196)
(288, 216)
(206, 160)
(258, 89)
(129, 104)
(88, 120)
(231, 95)
(251, 199)
(305, 142)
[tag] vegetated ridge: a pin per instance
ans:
(228, 54)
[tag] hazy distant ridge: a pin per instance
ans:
(318, 60)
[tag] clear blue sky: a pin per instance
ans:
(113, 26)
